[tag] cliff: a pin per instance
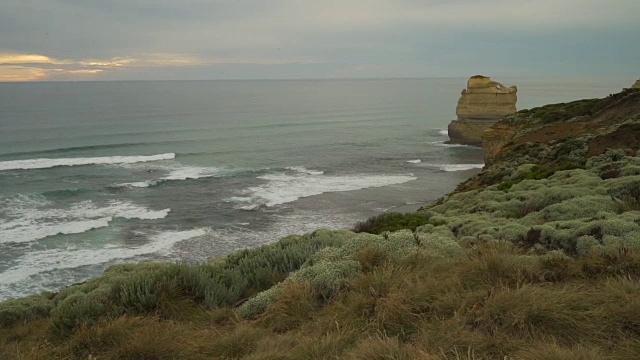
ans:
(485, 99)
(636, 85)
(560, 136)
(481, 104)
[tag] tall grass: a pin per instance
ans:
(494, 301)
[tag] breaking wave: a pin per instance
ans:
(45, 163)
(26, 219)
(456, 167)
(176, 174)
(282, 188)
(32, 272)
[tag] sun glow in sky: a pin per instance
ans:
(243, 39)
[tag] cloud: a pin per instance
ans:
(539, 15)
(21, 73)
(6, 59)
(283, 38)
(31, 67)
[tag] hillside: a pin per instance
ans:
(536, 257)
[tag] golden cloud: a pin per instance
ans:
(24, 59)
(21, 73)
(81, 72)
(31, 67)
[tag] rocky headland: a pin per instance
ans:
(536, 257)
(607, 123)
(481, 104)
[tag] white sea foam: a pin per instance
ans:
(29, 220)
(45, 163)
(456, 167)
(175, 174)
(418, 161)
(444, 132)
(36, 262)
(283, 188)
(443, 144)
(304, 170)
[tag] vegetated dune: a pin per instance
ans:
(536, 257)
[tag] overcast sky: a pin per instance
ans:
(285, 39)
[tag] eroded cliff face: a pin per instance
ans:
(485, 99)
(483, 103)
(559, 137)
(495, 138)
(636, 85)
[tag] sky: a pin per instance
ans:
(75, 40)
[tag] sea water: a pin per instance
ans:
(93, 174)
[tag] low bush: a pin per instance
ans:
(26, 308)
(393, 221)
(153, 288)
(538, 172)
(565, 111)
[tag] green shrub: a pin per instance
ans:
(626, 188)
(259, 267)
(393, 221)
(578, 208)
(326, 277)
(437, 241)
(74, 310)
(153, 288)
(538, 172)
(26, 308)
(554, 113)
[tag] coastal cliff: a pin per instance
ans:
(535, 257)
(601, 123)
(636, 85)
(481, 104)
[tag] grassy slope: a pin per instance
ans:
(540, 262)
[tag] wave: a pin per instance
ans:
(444, 144)
(64, 193)
(418, 161)
(30, 219)
(456, 167)
(37, 262)
(282, 188)
(74, 148)
(444, 132)
(176, 174)
(303, 170)
(45, 163)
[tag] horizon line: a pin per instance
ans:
(302, 79)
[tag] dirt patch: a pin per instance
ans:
(626, 137)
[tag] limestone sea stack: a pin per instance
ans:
(483, 103)
(636, 85)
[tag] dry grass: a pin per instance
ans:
(385, 348)
(293, 307)
(492, 303)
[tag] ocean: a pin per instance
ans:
(97, 173)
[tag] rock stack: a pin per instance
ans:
(483, 103)
(636, 85)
